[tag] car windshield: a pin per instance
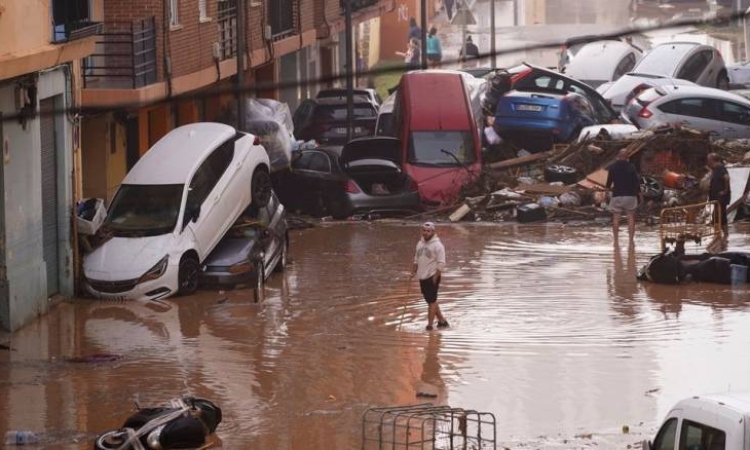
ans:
(441, 148)
(144, 209)
(325, 113)
(663, 60)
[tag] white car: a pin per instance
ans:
(173, 208)
(599, 62)
(723, 114)
(688, 61)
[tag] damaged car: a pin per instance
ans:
(365, 176)
(255, 246)
(173, 208)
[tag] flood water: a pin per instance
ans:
(550, 332)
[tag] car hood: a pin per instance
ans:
(231, 251)
(379, 147)
(126, 258)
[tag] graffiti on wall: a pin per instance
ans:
(403, 12)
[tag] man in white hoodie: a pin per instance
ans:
(429, 261)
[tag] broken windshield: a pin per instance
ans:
(441, 148)
(144, 209)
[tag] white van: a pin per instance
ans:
(172, 209)
(706, 422)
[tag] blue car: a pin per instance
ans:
(535, 120)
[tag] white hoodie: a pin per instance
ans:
(430, 257)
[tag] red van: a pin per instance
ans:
(435, 120)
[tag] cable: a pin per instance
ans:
(261, 87)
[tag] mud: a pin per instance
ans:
(550, 332)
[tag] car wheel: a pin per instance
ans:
(722, 82)
(281, 265)
(188, 275)
(260, 281)
(261, 188)
(111, 440)
(559, 172)
(651, 188)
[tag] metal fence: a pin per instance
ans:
(124, 56)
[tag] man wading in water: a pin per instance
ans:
(429, 262)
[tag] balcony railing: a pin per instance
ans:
(357, 4)
(227, 19)
(71, 21)
(124, 56)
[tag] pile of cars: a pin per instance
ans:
(198, 205)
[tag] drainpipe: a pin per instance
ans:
(349, 71)
(4, 297)
(239, 92)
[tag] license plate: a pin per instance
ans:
(536, 108)
(342, 130)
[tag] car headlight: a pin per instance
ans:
(242, 267)
(156, 271)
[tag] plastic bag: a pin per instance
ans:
(270, 109)
(275, 139)
(90, 214)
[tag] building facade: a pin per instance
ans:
(41, 45)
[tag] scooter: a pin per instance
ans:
(184, 424)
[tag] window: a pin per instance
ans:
(698, 436)
(316, 161)
(174, 18)
(693, 107)
(144, 209)
(202, 10)
(665, 439)
(441, 148)
(625, 66)
(281, 17)
(70, 18)
(695, 66)
(732, 112)
(207, 176)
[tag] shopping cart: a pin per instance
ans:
(427, 427)
(695, 223)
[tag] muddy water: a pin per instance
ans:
(549, 331)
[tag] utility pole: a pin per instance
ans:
(492, 33)
(240, 93)
(349, 70)
(423, 44)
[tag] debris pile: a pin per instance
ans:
(568, 181)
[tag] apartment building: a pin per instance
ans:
(41, 46)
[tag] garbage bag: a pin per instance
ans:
(663, 269)
(712, 270)
(90, 214)
(270, 109)
(275, 140)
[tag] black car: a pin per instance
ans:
(363, 177)
(324, 119)
(255, 246)
(369, 93)
(527, 77)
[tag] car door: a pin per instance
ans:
(736, 119)
(205, 212)
(312, 174)
(694, 112)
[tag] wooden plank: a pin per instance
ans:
(543, 188)
(521, 160)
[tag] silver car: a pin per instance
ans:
(722, 114)
(599, 62)
(689, 61)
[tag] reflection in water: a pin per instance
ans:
(550, 331)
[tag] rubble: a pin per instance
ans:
(671, 160)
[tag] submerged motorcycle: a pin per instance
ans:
(184, 424)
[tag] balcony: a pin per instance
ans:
(71, 21)
(357, 4)
(124, 56)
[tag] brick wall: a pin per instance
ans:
(191, 41)
(130, 10)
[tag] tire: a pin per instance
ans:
(651, 188)
(281, 265)
(722, 82)
(261, 188)
(111, 440)
(188, 275)
(559, 172)
(260, 282)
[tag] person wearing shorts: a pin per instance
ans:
(625, 184)
(429, 262)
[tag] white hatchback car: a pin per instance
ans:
(173, 208)
(599, 62)
(722, 114)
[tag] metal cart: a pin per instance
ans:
(690, 223)
(427, 427)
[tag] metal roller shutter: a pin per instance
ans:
(49, 195)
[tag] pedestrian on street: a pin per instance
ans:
(415, 32)
(429, 262)
(469, 53)
(449, 9)
(719, 189)
(412, 56)
(624, 182)
(434, 49)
